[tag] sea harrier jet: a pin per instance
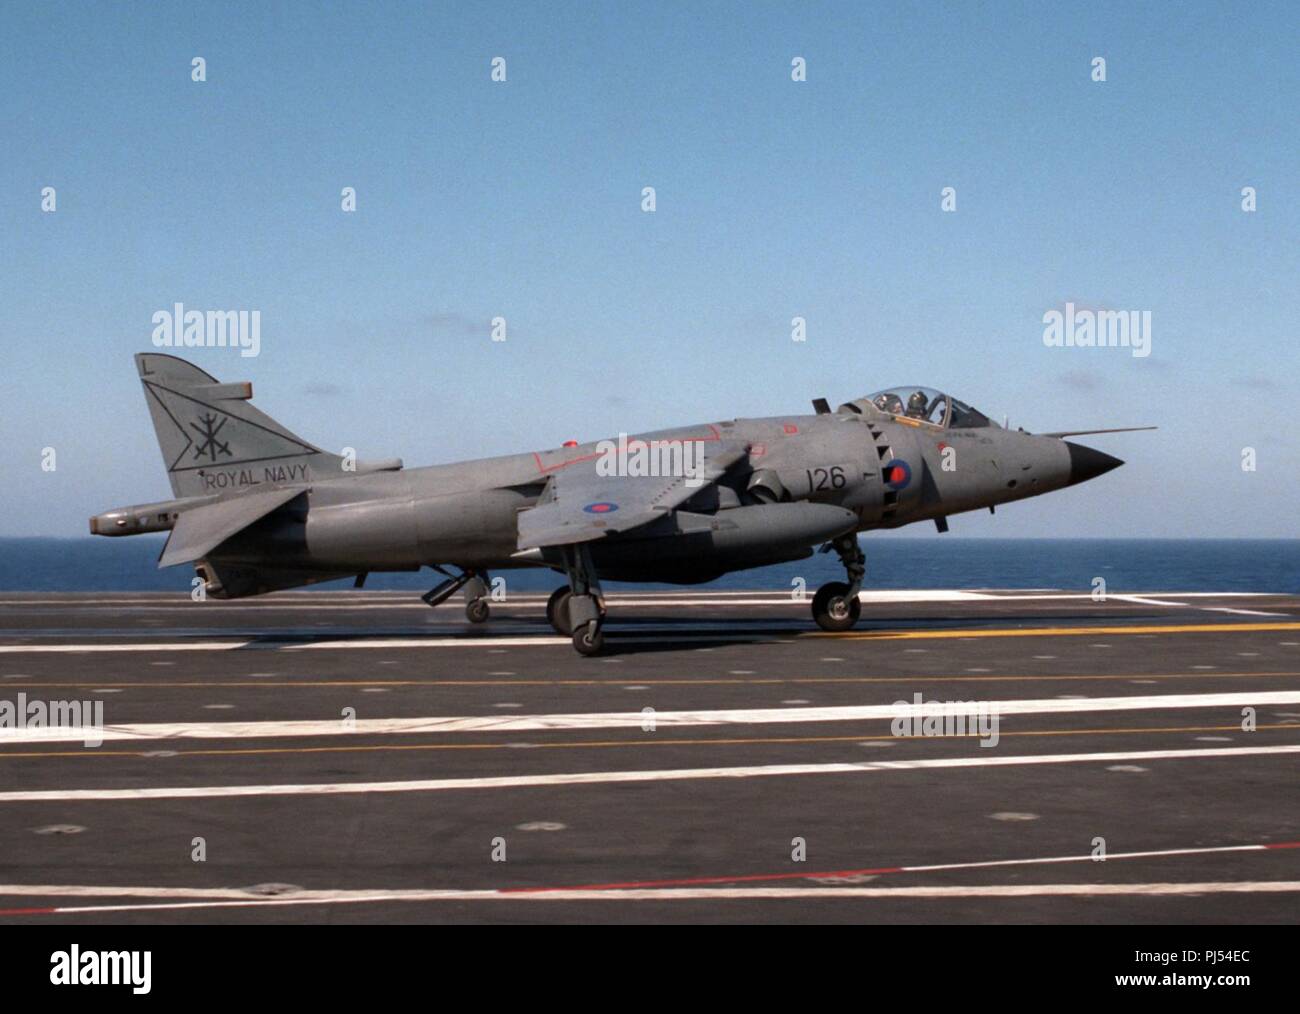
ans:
(257, 508)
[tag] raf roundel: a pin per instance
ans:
(601, 507)
(898, 474)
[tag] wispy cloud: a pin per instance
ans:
(455, 324)
(1081, 380)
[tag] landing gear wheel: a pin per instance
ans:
(477, 611)
(584, 607)
(557, 610)
(589, 639)
(834, 609)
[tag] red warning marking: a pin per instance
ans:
(696, 881)
(790, 428)
(882, 870)
(752, 878)
(570, 443)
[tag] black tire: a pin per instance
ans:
(557, 610)
(833, 609)
(477, 611)
(589, 639)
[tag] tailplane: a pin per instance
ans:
(214, 441)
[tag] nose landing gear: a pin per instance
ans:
(582, 610)
(836, 606)
(589, 639)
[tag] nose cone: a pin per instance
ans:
(1086, 463)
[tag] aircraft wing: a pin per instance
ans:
(579, 504)
(199, 531)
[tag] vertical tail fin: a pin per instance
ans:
(213, 440)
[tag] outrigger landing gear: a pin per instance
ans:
(476, 598)
(836, 605)
(584, 606)
(476, 593)
(557, 610)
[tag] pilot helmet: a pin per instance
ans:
(917, 402)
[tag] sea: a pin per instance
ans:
(1126, 565)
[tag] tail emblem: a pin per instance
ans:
(208, 431)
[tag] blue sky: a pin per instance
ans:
(775, 199)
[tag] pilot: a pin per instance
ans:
(917, 404)
(889, 402)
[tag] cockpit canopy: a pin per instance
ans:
(924, 404)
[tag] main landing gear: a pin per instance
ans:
(836, 605)
(557, 610)
(476, 593)
(579, 610)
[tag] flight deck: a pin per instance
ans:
(356, 756)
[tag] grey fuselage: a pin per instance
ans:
(806, 479)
